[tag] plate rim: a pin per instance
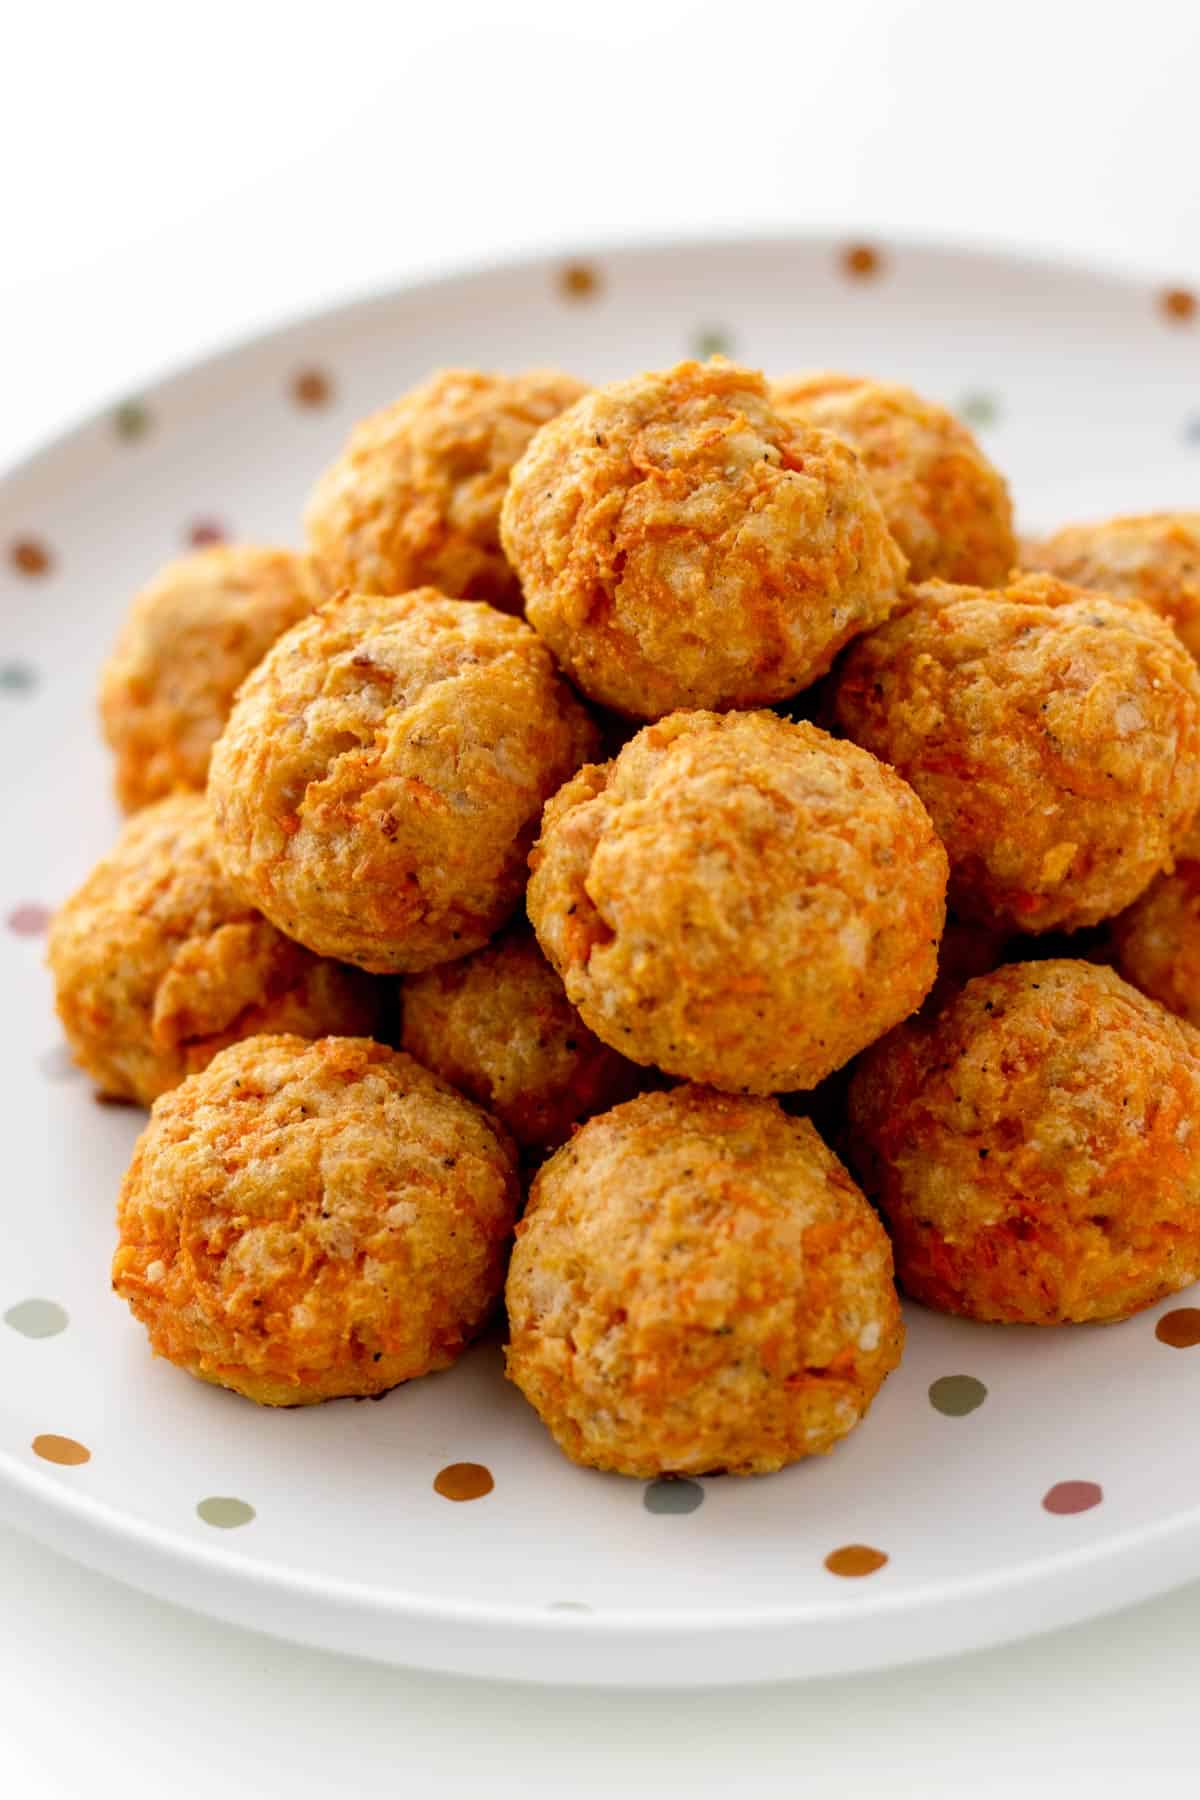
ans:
(442, 277)
(44, 1499)
(109, 1522)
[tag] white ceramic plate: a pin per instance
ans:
(1072, 1488)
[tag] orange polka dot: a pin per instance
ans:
(29, 557)
(1179, 304)
(463, 1481)
(67, 1451)
(861, 261)
(854, 1560)
(579, 281)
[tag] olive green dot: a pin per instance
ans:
(713, 341)
(979, 409)
(222, 1511)
(131, 421)
(957, 1395)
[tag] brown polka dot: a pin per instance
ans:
(131, 421)
(68, 1451)
(30, 557)
(311, 387)
(1178, 304)
(202, 532)
(853, 1560)
(29, 919)
(1180, 1329)
(463, 1481)
(1073, 1496)
(580, 281)
(861, 261)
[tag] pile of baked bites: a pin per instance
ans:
(542, 657)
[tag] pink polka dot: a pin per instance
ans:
(205, 531)
(29, 919)
(1073, 1496)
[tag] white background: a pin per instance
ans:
(173, 176)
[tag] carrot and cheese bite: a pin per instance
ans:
(946, 505)
(414, 499)
(1054, 735)
(1035, 1147)
(381, 777)
(1152, 557)
(698, 1285)
(498, 1025)
(189, 640)
(739, 900)
(307, 1220)
(158, 963)
(681, 544)
(1156, 941)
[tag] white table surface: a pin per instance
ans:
(175, 177)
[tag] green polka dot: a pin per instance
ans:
(712, 340)
(979, 409)
(225, 1513)
(131, 421)
(956, 1395)
(36, 1318)
(671, 1494)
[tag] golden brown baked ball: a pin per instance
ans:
(1154, 557)
(739, 900)
(1156, 941)
(382, 774)
(681, 544)
(697, 1286)
(158, 963)
(188, 641)
(302, 1221)
(1035, 1147)
(1053, 734)
(414, 499)
(946, 505)
(498, 1025)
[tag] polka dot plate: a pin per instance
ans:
(1006, 1481)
